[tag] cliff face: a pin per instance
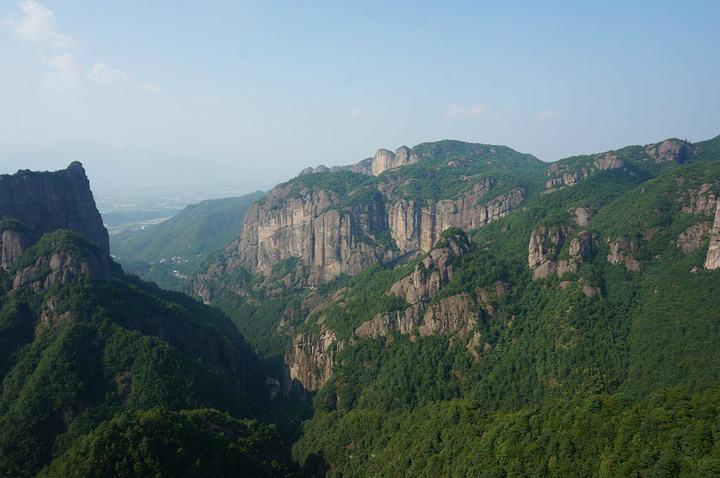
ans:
(47, 201)
(547, 242)
(310, 226)
(417, 228)
(333, 240)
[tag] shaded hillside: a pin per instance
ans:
(169, 252)
(90, 357)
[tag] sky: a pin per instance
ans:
(258, 90)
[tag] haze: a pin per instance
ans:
(253, 92)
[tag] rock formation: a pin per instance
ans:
(47, 201)
(546, 242)
(712, 260)
(385, 160)
(312, 224)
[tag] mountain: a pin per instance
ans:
(455, 309)
(50, 201)
(104, 374)
(169, 252)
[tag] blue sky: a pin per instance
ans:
(268, 88)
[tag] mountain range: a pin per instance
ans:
(450, 309)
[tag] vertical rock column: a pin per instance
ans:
(712, 261)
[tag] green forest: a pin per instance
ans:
(577, 334)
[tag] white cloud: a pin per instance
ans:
(457, 110)
(111, 77)
(354, 113)
(149, 87)
(63, 74)
(103, 75)
(547, 115)
(39, 25)
(206, 100)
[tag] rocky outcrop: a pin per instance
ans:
(12, 245)
(693, 237)
(701, 201)
(332, 239)
(618, 249)
(309, 225)
(583, 216)
(712, 260)
(61, 267)
(669, 150)
(563, 175)
(309, 365)
(47, 201)
(546, 242)
(385, 160)
(432, 273)
(580, 250)
(449, 315)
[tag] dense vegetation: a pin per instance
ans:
(86, 364)
(610, 369)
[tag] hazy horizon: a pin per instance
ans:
(253, 92)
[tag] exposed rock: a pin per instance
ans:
(712, 260)
(582, 216)
(417, 227)
(417, 289)
(385, 160)
(310, 224)
(60, 267)
(546, 243)
(309, 364)
(693, 237)
(47, 201)
(12, 245)
(432, 274)
(306, 226)
(449, 315)
(617, 251)
(702, 202)
(668, 151)
(590, 291)
(563, 175)
(609, 161)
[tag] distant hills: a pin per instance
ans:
(169, 252)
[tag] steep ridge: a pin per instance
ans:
(392, 210)
(49, 201)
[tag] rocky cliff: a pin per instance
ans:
(47, 201)
(310, 362)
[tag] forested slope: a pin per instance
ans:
(169, 252)
(578, 309)
(103, 374)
